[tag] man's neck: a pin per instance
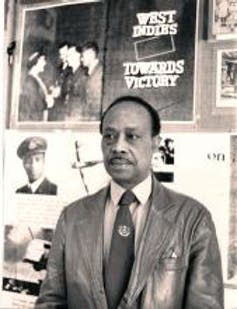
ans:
(92, 66)
(36, 183)
(142, 190)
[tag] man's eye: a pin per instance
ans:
(133, 137)
(108, 136)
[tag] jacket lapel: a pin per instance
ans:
(90, 235)
(43, 187)
(156, 232)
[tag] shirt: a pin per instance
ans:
(35, 185)
(139, 210)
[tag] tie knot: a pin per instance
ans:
(127, 198)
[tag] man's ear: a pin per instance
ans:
(155, 143)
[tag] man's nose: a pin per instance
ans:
(120, 145)
(33, 164)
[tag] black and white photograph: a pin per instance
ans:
(119, 154)
(32, 153)
(59, 72)
(25, 257)
(52, 168)
(164, 159)
(226, 90)
(224, 19)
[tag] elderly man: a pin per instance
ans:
(32, 152)
(135, 243)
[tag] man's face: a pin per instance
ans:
(127, 143)
(88, 57)
(63, 53)
(34, 165)
(41, 63)
(73, 57)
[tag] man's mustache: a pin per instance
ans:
(120, 159)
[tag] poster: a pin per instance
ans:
(159, 62)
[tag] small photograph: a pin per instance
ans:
(163, 160)
(50, 169)
(225, 19)
(58, 76)
(32, 152)
(227, 78)
(26, 253)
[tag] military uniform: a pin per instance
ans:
(29, 147)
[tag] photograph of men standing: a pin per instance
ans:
(135, 243)
(32, 152)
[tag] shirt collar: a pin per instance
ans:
(142, 191)
(35, 185)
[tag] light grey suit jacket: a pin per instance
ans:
(177, 265)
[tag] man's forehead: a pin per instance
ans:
(127, 116)
(130, 109)
(34, 155)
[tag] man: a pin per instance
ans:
(90, 61)
(135, 243)
(63, 74)
(32, 152)
(75, 99)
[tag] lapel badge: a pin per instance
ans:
(173, 255)
(124, 230)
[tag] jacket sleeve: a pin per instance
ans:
(53, 289)
(204, 285)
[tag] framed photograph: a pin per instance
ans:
(224, 19)
(226, 90)
(58, 70)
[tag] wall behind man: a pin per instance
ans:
(208, 118)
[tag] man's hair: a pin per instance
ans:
(91, 45)
(155, 118)
(77, 48)
(64, 43)
(33, 58)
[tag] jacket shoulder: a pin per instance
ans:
(47, 187)
(86, 204)
(21, 189)
(184, 204)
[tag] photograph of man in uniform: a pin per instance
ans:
(32, 152)
(134, 243)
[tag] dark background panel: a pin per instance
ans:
(174, 103)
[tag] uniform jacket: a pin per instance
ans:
(177, 265)
(46, 187)
(93, 93)
(32, 101)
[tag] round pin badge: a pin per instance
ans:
(124, 230)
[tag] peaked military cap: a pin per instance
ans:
(32, 145)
